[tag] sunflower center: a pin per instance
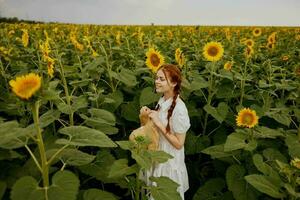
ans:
(28, 86)
(248, 118)
(155, 60)
(256, 31)
(212, 51)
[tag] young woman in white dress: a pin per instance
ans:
(172, 121)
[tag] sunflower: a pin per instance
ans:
(213, 51)
(272, 38)
(249, 42)
(285, 57)
(256, 32)
(154, 59)
(271, 45)
(249, 51)
(25, 38)
(25, 86)
(228, 65)
(296, 163)
(179, 57)
(247, 118)
(297, 71)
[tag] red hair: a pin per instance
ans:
(173, 73)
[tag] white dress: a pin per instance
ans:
(174, 168)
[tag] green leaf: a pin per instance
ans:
(12, 136)
(265, 168)
(166, 189)
(159, 156)
(195, 144)
(130, 111)
(105, 115)
(27, 188)
(120, 169)
(282, 117)
(292, 141)
(239, 140)
(218, 113)
(217, 151)
(148, 96)
(49, 117)
(72, 157)
(264, 132)
(212, 189)
(265, 185)
(95, 194)
(126, 145)
(84, 136)
(64, 186)
(237, 184)
(126, 76)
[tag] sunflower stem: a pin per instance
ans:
(108, 68)
(40, 142)
(68, 97)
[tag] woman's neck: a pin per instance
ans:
(168, 95)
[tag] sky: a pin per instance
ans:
(158, 12)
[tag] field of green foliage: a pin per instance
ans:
(70, 96)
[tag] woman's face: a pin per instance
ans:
(163, 83)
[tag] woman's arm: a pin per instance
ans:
(176, 139)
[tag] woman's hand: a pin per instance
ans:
(153, 114)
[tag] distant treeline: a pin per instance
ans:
(16, 20)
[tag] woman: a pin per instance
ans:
(172, 121)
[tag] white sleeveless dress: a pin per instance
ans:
(174, 168)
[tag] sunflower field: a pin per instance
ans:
(71, 95)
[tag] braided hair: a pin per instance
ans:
(173, 72)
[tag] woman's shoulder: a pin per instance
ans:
(180, 105)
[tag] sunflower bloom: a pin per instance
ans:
(247, 118)
(249, 42)
(228, 65)
(285, 58)
(154, 59)
(256, 32)
(118, 38)
(179, 57)
(249, 52)
(296, 163)
(25, 38)
(26, 86)
(272, 38)
(213, 51)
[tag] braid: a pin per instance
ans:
(170, 111)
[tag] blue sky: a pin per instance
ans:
(160, 12)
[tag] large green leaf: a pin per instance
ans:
(239, 140)
(12, 136)
(64, 186)
(101, 120)
(166, 189)
(95, 194)
(237, 184)
(126, 76)
(212, 189)
(49, 117)
(264, 132)
(195, 144)
(71, 156)
(265, 168)
(217, 151)
(293, 143)
(27, 188)
(265, 185)
(218, 113)
(148, 96)
(84, 136)
(120, 169)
